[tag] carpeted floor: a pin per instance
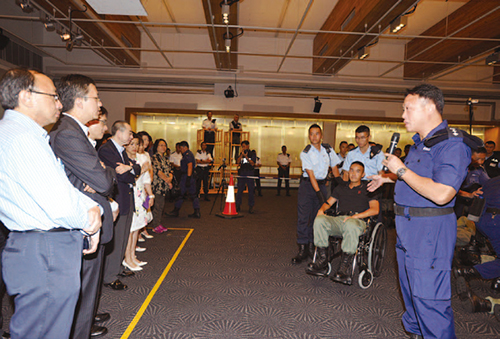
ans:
(234, 279)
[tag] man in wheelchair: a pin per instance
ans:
(355, 206)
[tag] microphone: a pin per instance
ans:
(392, 147)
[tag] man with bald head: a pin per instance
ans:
(46, 214)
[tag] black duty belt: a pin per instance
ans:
(422, 211)
(493, 210)
(52, 230)
(320, 182)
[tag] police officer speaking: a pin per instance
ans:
(316, 159)
(187, 184)
(246, 160)
(427, 183)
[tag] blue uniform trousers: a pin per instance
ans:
(424, 252)
(250, 183)
(489, 226)
(42, 271)
(191, 192)
(307, 208)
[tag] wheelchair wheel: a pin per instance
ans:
(365, 279)
(376, 251)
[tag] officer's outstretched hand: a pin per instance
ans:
(377, 181)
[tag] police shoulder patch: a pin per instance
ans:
(308, 147)
(199, 151)
(327, 147)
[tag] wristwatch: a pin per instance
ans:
(401, 172)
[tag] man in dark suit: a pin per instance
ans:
(70, 143)
(113, 154)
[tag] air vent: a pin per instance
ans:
(348, 19)
(21, 56)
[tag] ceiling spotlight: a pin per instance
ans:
(228, 45)
(493, 59)
(363, 53)
(66, 36)
(398, 24)
(317, 105)
(225, 13)
(229, 92)
(25, 5)
(47, 22)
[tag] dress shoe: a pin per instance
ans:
(141, 239)
(476, 304)
(102, 317)
(319, 267)
(97, 331)
(140, 263)
(466, 272)
(117, 285)
(147, 235)
(196, 214)
(126, 274)
(302, 255)
(140, 249)
(495, 285)
(344, 273)
(132, 268)
(174, 213)
(251, 210)
(237, 208)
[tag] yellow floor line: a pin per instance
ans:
(151, 294)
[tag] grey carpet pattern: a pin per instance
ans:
(234, 279)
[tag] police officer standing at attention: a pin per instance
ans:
(209, 125)
(426, 185)
(316, 159)
(284, 162)
(246, 160)
(187, 184)
(203, 161)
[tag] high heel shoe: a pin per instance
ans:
(146, 235)
(140, 263)
(130, 267)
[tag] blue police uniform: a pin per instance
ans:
(246, 169)
(190, 189)
(489, 226)
(425, 244)
(308, 202)
(372, 165)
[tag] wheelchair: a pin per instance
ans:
(370, 253)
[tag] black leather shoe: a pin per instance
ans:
(238, 208)
(126, 274)
(98, 331)
(495, 285)
(302, 255)
(102, 317)
(476, 304)
(117, 285)
(250, 210)
(466, 272)
(196, 214)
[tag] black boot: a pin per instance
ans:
(344, 273)
(468, 257)
(174, 213)
(196, 214)
(466, 272)
(463, 289)
(319, 267)
(302, 255)
(476, 304)
(311, 248)
(495, 285)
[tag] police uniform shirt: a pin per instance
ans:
(246, 167)
(187, 158)
(284, 159)
(176, 158)
(353, 200)
(203, 155)
(475, 176)
(234, 125)
(318, 161)
(491, 193)
(372, 166)
(445, 163)
(212, 124)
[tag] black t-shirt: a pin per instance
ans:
(491, 165)
(355, 200)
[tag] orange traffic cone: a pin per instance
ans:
(230, 207)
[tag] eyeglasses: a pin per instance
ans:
(96, 98)
(55, 96)
(104, 122)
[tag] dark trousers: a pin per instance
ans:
(158, 207)
(307, 208)
(209, 138)
(42, 271)
(203, 174)
(256, 173)
(115, 249)
(85, 308)
(282, 173)
(189, 191)
(242, 182)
